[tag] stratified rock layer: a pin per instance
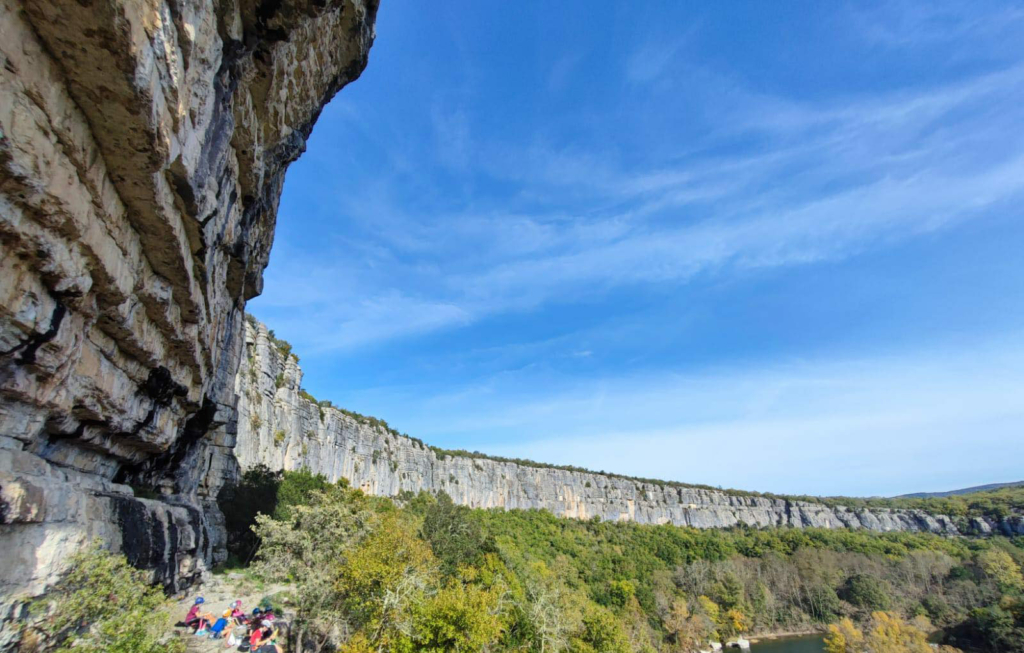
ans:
(143, 146)
(281, 429)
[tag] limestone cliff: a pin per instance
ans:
(281, 429)
(143, 146)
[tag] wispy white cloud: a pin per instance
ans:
(826, 180)
(913, 24)
(541, 262)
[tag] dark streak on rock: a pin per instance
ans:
(34, 342)
(161, 387)
(133, 519)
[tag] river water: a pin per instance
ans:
(802, 644)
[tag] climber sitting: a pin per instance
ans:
(238, 614)
(260, 635)
(267, 643)
(206, 619)
(217, 630)
(192, 618)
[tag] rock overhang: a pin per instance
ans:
(143, 147)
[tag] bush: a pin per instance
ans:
(103, 604)
(283, 346)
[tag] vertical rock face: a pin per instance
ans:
(280, 428)
(143, 146)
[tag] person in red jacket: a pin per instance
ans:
(266, 643)
(258, 636)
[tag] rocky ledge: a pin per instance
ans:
(143, 147)
(281, 428)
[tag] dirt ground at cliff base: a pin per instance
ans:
(220, 591)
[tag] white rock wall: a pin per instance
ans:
(280, 429)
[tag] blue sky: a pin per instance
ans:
(767, 246)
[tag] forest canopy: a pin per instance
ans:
(419, 573)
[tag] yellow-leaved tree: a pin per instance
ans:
(1001, 567)
(885, 633)
(383, 578)
(844, 637)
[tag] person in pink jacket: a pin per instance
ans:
(192, 618)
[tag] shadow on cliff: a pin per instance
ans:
(262, 491)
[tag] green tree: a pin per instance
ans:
(457, 618)
(1002, 568)
(297, 488)
(866, 592)
(308, 550)
(383, 577)
(621, 592)
(992, 628)
(729, 592)
(454, 537)
(821, 603)
(602, 633)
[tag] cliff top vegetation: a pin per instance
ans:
(994, 504)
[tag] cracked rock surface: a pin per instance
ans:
(143, 146)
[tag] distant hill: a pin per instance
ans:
(966, 490)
